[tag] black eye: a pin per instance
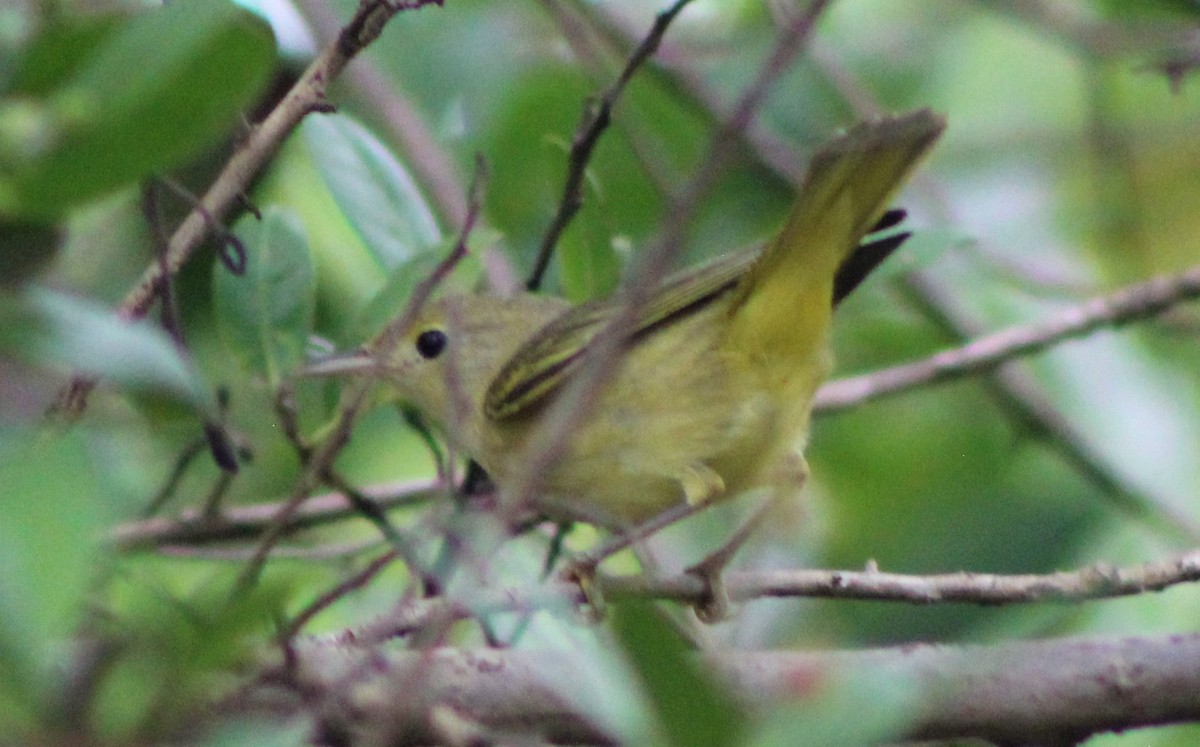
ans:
(431, 343)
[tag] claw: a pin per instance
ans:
(715, 605)
(582, 571)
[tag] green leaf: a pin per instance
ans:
(393, 297)
(166, 84)
(397, 291)
(59, 49)
(693, 709)
(266, 315)
(924, 249)
(183, 640)
(373, 189)
(48, 328)
(53, 491)
(587, 269)
(1149, 10)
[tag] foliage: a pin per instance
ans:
(1069, 168)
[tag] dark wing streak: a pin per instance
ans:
(555, 351)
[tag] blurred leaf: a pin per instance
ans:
(166, 84)
(261, 733)
(48, 328)
(184, 637)
(50, 503)
(924, 249)
(864, 708)
(266, 315)
(292, 34)
(372, 188)
(693, 709)
(60, 48)
(26, 247)
(587, 270)
(1149, 10)
(16, 26)
(393, 297)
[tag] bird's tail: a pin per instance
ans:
(785, 298)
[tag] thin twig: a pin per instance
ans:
(404, 544)
(594, 54)
(1129, 304)
(242, 522)
(1095, 582)
(596, 120)
(182, 462)
(776, 154)
(323, 602)
(1023, 399)
(353, 399)
(390, 337)
(318, 467)
(1092, 583)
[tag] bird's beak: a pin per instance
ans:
(351, 363)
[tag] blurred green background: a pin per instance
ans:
(1071, 167)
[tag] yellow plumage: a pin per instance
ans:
(714, 392)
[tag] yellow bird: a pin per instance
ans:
(713, 394)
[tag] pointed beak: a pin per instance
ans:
(351, 363)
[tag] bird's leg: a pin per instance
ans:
(789, 478)
(716, 606)
(700, 483)
(555, 551)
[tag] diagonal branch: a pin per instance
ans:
(318, 463)
(1123, 306)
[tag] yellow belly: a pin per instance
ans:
(649, 433)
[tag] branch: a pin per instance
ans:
(775, 154)
(192, 528)
(1092, 583)
(1128, 304)
(316, 467)
(595, 121)
(1042, 692)
(402, 121)
(1100, 581)
(250, 157)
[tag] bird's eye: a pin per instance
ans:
(431, 343)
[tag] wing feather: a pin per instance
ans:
(554, 352)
